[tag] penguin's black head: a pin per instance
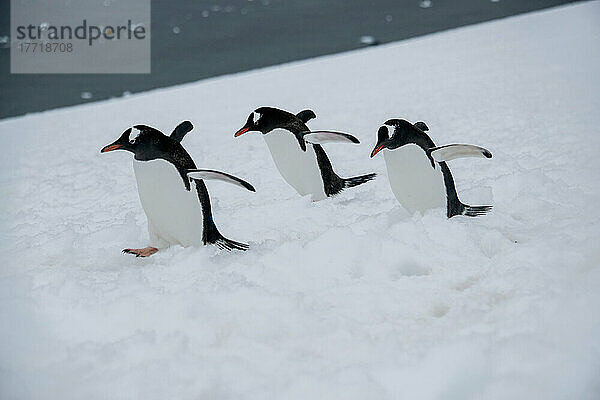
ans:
(392, 134)
(383, 137)
(140, 140)
(264, 120)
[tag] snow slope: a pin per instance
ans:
(348, 298)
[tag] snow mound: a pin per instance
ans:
(346, 298)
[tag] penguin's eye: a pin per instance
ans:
(255, 117)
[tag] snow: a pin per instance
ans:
(346, 298)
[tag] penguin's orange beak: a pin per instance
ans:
(122, 143)
(377, 150)
(241, 132)
(110, 147)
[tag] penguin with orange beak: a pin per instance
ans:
(172, 190)
(417, 171)
(298, 152)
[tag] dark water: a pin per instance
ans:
(192, 40)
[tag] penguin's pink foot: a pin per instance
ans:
(145, 252)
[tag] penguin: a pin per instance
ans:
(298, 154)
(172, 190)
(417, 170)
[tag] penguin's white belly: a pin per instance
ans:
(414, 182)
(174, 214)
(298, 168)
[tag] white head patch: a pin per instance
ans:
(255, 117)
(391, 129)
(133, 135)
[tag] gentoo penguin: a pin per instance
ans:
(166, 175)
(417, 169)
(304, 167)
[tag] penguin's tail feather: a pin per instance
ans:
(475, 211)
(358, 180)
(213, 236)
(227, 244)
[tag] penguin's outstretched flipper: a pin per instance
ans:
(306, 115)
(453, 151)
(181, 130)
(320, 137)
(211, 174)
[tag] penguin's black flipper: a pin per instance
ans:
(422, 126)
(211, 174)
(320, 137)
(181, 130)
(306, 115)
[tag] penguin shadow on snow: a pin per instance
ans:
(172, 190)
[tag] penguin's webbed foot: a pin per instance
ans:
(145, 252)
